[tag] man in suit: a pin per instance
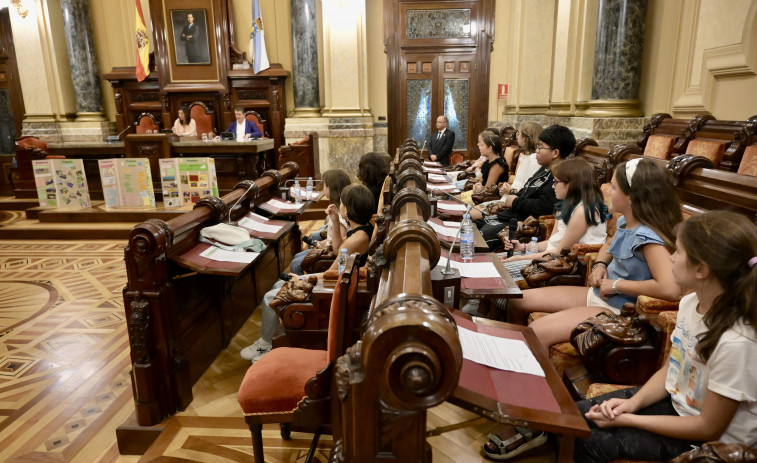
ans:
(190, 35)
(440, 145)
(242, 128)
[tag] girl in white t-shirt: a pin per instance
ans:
(708, 389)
(576, 186)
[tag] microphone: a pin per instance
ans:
(448, 269)
(513, 227)
(115, 138)
(244, 195)
(423, 146)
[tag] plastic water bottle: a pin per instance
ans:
(533, 246)
(342, 262)
(466, 238)
(297, 193)
(309, 188)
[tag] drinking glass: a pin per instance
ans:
(205, 137)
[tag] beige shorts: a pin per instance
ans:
(593, 300)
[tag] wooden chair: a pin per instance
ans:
(203, 117)
(748, 164)
(255, 118)
(291, 385)
(147, 121)
(456, 158)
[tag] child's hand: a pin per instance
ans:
(333, 211)
(477, 186)
(597, 275)
(605, 288)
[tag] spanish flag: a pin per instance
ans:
(143, 46)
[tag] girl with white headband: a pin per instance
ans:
(636, 261)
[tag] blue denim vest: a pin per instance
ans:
(628, 260)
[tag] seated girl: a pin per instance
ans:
(528, 139)
(706, 391)
(494, 170)
(576, 185)
(636, 261)
(184, 125)
(357, 206)
(334, 181)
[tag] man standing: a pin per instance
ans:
(243, 128)
(190, 35)
(440, 145)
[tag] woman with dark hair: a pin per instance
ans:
(372, 171)
(494, 169)
(184, 125)
(357, 207)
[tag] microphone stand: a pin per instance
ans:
(113, 139)
(244, 195)
(448, 269)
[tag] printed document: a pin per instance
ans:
(500, 353)
(222, 255)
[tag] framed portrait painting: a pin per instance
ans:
(190, 37)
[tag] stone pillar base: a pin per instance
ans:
(90, 117)
(69, 132)
(306, 112)
(614, 108)
(606, 131)
(342, 141)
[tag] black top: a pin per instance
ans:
(368, 229)
(488, 165)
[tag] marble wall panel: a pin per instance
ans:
(438, 24)
(606, 131)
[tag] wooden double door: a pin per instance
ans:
(438, 64)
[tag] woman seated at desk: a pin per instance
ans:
(184, 125)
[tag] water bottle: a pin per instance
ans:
(533, 246)
(309, 188)
(466, 238)
(342, 262)
(297, 193)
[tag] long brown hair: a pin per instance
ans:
(579, 174)
(654, 200)
(336, 180)
(530, 130)
(726, 242)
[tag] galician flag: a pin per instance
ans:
(143, 46)
(257, 40)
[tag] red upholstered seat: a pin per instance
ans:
(276, 382)
(255, 118)
(659, 146)
(456, 158)
(712, 150)
(146, 122)
(202, 116)
(274, 387)
(748, 165)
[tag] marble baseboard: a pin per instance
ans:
(606, 131)
(69, 132)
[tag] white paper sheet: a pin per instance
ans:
(431, 164)
(257, 217)
(500, 353)
(448, 223)
(452, 207)
(436, 171)
(472, 269)
(437, 177)
(448, 231)
(448, 187)
(260, 227)
(223, 255)
(284, 206)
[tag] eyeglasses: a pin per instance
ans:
(544, 148)
(555, 181)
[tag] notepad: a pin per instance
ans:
(222, 255)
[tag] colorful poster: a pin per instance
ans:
(127, 182)
(187, 180)
(61, 183)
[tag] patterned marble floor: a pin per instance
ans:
(64, 363)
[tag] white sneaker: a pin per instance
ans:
(262, 350)
(250, 351)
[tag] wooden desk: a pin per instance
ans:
(539, 403)
(479, 245)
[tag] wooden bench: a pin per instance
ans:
(180, 314)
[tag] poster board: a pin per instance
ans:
(187, 180)
(61, 183)
(127, 182)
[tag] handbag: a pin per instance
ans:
(718, 452)
(300, 290)
(316, 255)
(490, 193)
(527, 230)
(607, 330)
(549, 265)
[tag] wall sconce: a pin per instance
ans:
(20, 9)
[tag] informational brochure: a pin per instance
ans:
(61, 183)
(127, 182)
(186, 180)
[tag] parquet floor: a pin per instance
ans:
(64, 363)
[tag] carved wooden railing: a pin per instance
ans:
(179, 320)
(409, 356)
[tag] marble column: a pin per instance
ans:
(80, 43)
(617, 59)
(305, 59)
